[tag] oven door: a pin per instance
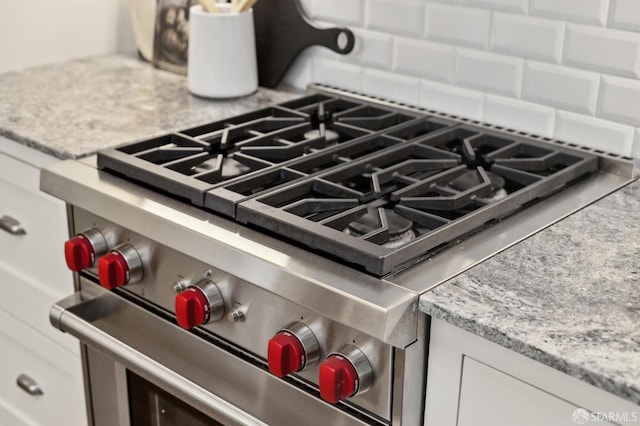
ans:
(141, 369)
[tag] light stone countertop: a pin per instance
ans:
(568, 297)
(75, 108)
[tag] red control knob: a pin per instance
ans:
(79, 253)
(338, 379)
(285, 354)
(192, 308)
(120, 266)
(113, 270)
(199, 304)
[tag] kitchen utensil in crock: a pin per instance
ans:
(283, 31)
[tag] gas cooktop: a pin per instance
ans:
(374, 184)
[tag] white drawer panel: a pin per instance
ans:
(38, 254)
(30, 303)
(8, 416)
(53, 354)
(62, 401)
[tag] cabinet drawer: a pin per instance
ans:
(491, 397)
(38, 254)
(62, 401)
(30, 302)
(8, 416)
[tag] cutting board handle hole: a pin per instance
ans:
(344, 41)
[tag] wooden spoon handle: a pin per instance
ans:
(210, 6)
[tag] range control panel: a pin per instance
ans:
(339, 362)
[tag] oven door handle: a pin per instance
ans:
(78, 314)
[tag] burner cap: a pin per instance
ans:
(400, 228)
(330, 135)
(471, 179)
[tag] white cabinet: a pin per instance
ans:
(32, 277)
(474, 382)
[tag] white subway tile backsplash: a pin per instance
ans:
(603, 49)
(458, 24)
(424, 59)
(451, 100)
(560, 87)
(396, 16)
(511, 5)
(341, 11)
(488, 71)
(338, 74)
(625, 14)
(563, 68)
(527, 36)
(520, 115)
(594, 133)
(371, 48)
(391, 86)
(588, 11)
(620, 100)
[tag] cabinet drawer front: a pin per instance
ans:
(8, 416)
(62, 401)
(30, 302)
(37, 254)
(491, 397)
(18, 173)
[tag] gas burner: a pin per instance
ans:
(400, 228)
(470, 180)
(331, 136)
(232, 168)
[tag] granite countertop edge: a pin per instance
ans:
(567, 296)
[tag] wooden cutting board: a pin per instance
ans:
(283, 31)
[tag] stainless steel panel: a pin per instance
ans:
(372, 306)
(265, 313)
(215, 382)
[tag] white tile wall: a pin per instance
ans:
(334, 73)
(527, 36)
(396, 16)
(511, 5)
(589, 11)
(424, 59)
(489, 71)
(594, 132)
(520, 115)
(560, 86)
(452, 100)
(625, 14)
(605, 50)
(620, 100)
(458, 25)
(391, 86)
(345, 11)
(559, 68)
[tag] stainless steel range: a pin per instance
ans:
(266, 268)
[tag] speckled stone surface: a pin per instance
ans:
(568, 297)
(75, 108)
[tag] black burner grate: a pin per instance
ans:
(368, 183)
(445, 184)
(194, 161)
